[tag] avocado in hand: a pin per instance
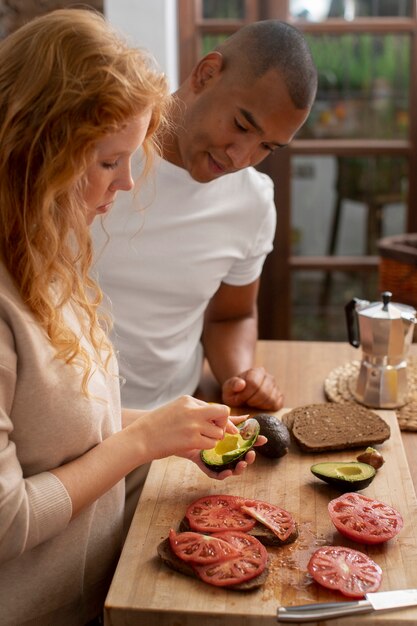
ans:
(232, 448)
(345, 475)
(277, 434)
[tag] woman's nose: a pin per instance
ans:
(123, 184)
(123, 181)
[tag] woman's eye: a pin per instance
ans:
(109, 166)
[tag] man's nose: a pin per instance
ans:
(241, 154)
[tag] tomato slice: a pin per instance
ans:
(349, 571)
(363, 519)
(218, 512)
(199, 548)
(250, 563)
(280, 521)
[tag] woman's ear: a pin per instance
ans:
(209, 67)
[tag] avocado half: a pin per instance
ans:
(345, 475)
(229, 451)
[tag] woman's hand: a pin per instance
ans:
(183, 428)
(177, 428)
(237, 471)
(194, 455)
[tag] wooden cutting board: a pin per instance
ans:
(145, 592)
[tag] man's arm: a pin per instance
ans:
(229, 339)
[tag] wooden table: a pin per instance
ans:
(144, 592)
(301, 368)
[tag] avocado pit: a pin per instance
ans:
(372, 457)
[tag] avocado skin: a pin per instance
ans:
(224, 466)
(347, 483)
(277, 434)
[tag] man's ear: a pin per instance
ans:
(206, 69)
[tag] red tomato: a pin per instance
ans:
(276, 519)
(351, 572)
(213, 513)
(198, 548)
(363, 519)
(250, 563)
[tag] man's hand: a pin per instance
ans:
(256, 388)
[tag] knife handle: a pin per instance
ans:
(322, 610)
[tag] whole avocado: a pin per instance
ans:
(277, 434)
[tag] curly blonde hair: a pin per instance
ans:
(67, 79)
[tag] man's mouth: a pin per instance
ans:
(215, 166)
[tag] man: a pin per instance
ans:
(183, 273)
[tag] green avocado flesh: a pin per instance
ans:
(229, 451)
(345, 475)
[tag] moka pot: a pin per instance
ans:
(384, 329)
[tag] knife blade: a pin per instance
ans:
(377, 601)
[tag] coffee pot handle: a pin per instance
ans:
(352, 322)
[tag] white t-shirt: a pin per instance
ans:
(172, 244)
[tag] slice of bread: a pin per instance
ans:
(170, 559)
(331, 426)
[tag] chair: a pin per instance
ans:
(376, 182)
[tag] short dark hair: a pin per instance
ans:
(273, 44)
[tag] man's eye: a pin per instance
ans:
(109, 166)
(239, 126)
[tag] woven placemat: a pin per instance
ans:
(341, 381)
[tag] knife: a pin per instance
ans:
(378, 601)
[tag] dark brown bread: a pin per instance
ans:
(331, 426)
(171, 560)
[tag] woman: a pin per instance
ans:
(75, 104)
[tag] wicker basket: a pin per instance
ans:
(398, 267)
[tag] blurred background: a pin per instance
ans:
(348, 179)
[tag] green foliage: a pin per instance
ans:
(353, 62)
(209, 42)
(221, 9)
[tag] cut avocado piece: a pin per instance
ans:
(229, 451)
(345, 475)
(277, 434)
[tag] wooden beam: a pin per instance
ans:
(334, 263)
(376, 25)
(352, 147)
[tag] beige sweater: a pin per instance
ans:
(53, 571)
